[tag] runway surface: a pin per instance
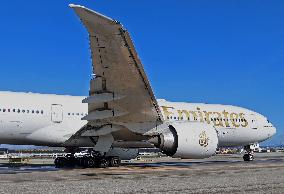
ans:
(219, 174)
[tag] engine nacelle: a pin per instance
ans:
(190, 140)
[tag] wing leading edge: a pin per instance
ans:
(120, 93)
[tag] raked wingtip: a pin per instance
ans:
(73, 6)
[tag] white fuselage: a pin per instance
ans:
(50, 120)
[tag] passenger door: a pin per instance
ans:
(56, 113)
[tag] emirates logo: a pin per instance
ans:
(203, 139)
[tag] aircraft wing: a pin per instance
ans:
(120, 93)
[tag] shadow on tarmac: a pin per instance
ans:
(28, 168)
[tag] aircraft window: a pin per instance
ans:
(4, 110)
(181, 118)
(205, 119)
(215, 119)
(72, 113)
(77, 114)
(14, 110)
(33, 111)
(175, 118)
(82, 114)
(69, 114)
(8, 110)
(23, 111)
(0, 109)
(37, 112)
(28, 111)
(168, 117)
(41, 111)
(268, 121)
(18, 111)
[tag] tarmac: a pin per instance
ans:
(218, 174)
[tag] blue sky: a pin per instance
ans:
(227, 52)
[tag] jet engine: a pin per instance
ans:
(190, 140)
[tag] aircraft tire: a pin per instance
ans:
(248, 157)
(60, 162)
(114, 161)
(90, 162)
(103, 163)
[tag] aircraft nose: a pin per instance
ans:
(273, 131)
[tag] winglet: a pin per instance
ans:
(73, 5)
(80, 7)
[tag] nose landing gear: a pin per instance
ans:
(249, 155)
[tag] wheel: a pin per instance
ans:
(71, 161)
(103, 163)
(114, 161)
(248, 157)
(60, 162)
(251, 158)
(81, 162)
(90, 162)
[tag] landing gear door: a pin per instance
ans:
(56, 113)
(254, 124)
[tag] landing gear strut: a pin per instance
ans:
(249, 154)
(90, 159)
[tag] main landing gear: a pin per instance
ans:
(249, 154)
(87, 160)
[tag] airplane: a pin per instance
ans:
(121, 113)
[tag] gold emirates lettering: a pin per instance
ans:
(219, 119)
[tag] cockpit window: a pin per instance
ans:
(268, 121)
